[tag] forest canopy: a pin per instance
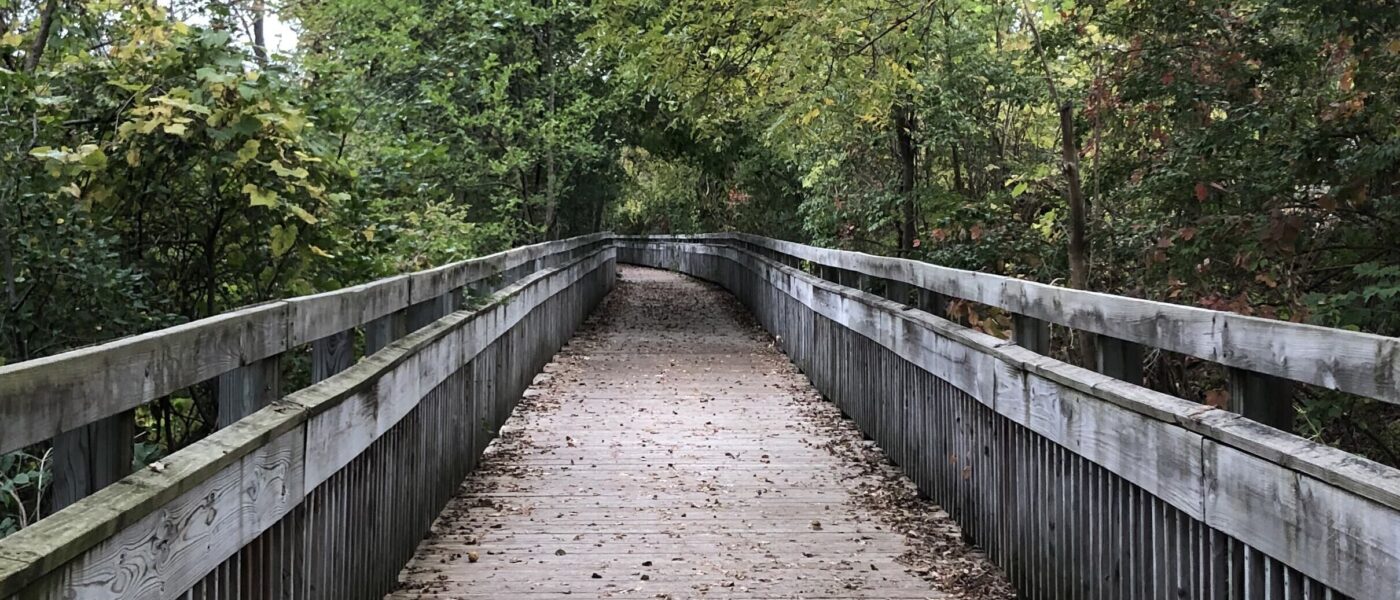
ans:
(167, 160)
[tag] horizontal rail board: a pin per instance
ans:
(42, 398)
(1328, 514)
(1354, 362)
(170, 527)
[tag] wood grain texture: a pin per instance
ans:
(90, 458)
(1354, 362)
(1102, 431)
(672, 453)
(72, 552)
(41, 398)
(244, 390)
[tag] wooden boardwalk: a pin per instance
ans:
(669, 452)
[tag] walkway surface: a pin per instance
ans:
(671, 451)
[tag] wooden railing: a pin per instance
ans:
(321, 493)
(1082, 484)
(84, 400)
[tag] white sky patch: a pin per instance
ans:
(281, 35)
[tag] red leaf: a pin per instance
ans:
(1202, 191)
(1218, 398)
(1168, 78)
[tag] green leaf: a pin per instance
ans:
(283, 238)
(305, 216)
(249, 151)
(283, 171)
(259, 197)
(1019, 189)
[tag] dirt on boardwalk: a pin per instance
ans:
(671, 451)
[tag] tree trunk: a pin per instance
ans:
(904, 152)
(41, 38)
(1078, 249)
(551, 192)
(259, 32)
(958, 185)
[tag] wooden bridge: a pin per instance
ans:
(671, 451)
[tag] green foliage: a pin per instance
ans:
(1236, 155)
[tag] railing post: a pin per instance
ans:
(422, 313)
(244, 390)
(1119, 359)
(1031, 333)
(933, 303)
(383, 331)
(1263, 398)
(91, 457)
(897, 291)
(330, 355)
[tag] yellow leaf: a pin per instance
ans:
(249, 151)
(175, 129)
(133, 156)
(12, 39)
(73, 190)
(369, 234)
(283, 171)
(811, 114)
(259, 197)
(305, 216)
(319, 252)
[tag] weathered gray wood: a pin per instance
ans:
(1354, 362)
(172, 549)
(1264, 398)
(1031, 333)
(1082, 411)
(331, 354)
(321, 315)
(244, 390)
(898, 291)
(72, 553)
(385, 330)
(933, 303)
(1346, 541)
(41, 398)
(90, 458)
(419, 315)
(1119, 359)
(551, 508)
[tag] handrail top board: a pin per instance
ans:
(1360, 363)
(33, 552)
(44, 397)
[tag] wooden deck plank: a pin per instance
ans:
(669, 452)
